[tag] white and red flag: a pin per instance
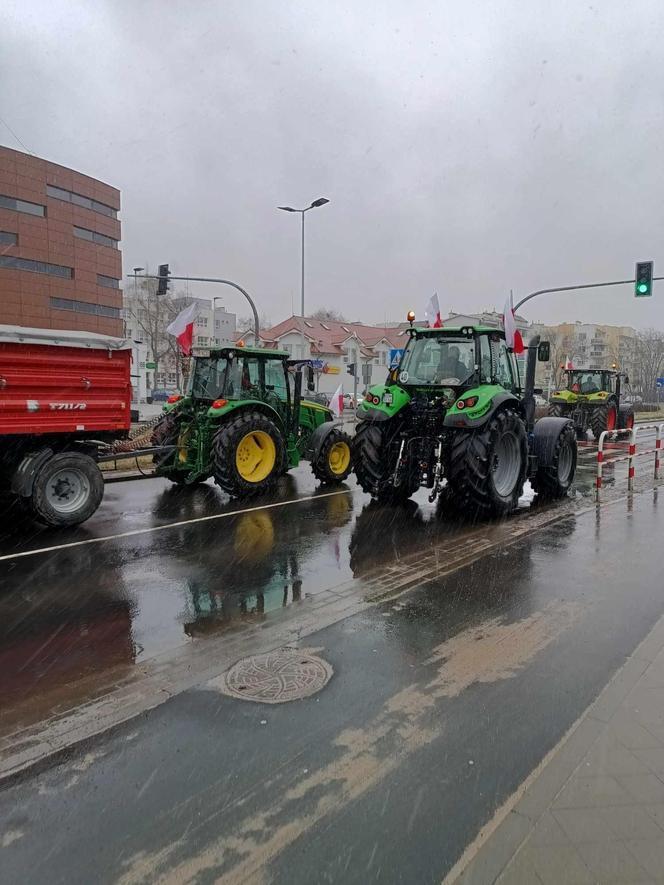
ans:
(337, 401)
(432, 312)
(568, 363)
(182, 328)
(512, 335)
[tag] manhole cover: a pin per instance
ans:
(279, 676)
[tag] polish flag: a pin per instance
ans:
(512, 335)
(182, 328)
(432, 312)
(337, 401)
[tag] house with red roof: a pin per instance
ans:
(336, 345)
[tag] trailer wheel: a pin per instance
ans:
(487, 467)
(556, 468)
(67, 490)
(334, 461)
(249, 454)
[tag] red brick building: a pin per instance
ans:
(60, 262)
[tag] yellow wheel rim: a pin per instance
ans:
(255, 456)
(339, 458)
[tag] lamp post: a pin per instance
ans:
(321, 201)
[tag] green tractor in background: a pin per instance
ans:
(243, 421)
(454, 410)
(591, 399)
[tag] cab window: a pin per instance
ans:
(504, 374)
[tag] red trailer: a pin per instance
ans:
(63, 397)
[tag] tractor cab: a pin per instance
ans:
(239, 373)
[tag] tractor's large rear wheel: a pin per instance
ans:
(604, 417)
(555, 410)
(487, 467)
(375, 453)
(626, 417)
(248, 454)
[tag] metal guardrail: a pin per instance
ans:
(631, 455)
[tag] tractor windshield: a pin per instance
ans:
(584, 382)
(440, 360)
(207, 379)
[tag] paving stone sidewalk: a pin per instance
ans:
(594, 811)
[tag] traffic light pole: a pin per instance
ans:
(578, 286)
(150, 276)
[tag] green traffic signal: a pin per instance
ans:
(643, 281)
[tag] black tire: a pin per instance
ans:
(473, 472)
(556, 411)
(166, 432)
(224, 451)
(374, 459)
(554, 478)
(67, 490)
(600, 418)
(626, 417)
(325, 468)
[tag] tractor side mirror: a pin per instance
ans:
(543, 352)
(311, 384)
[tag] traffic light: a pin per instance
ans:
(162, 285)
(643, 276)
(350, 368)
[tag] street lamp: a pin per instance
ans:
(321, 201)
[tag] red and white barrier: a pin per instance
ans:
(632, 452)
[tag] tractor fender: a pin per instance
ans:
(24, 477)
(464, 421)
(254, 404)
(317, 439)
(373, 415)
(545, 435)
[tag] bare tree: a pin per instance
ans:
(647, 363)
(246, 323)
(151, 314)
(326, 313)
(559, 347)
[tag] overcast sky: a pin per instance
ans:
(466, 147)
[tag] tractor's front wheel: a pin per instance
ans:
(166, 433)
(487, 467)
(248, 454)
(556, 464)
(604, 417)
(375, 454)
(334, 461)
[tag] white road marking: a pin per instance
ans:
(169, 525)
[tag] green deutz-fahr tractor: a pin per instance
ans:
(454, 409)
(243, 421)
(591, 399)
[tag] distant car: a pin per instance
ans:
(348, 401)
(323, 399)
(160, 395)
(539, 400)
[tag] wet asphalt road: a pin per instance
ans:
(389, 772)
(440, 705)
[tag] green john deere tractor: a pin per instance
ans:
(454, 410)
(591, 399)
(243, 421)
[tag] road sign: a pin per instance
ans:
(660, 382)
(331, 370)
(316, 364)
(395, 355)
(643, 279)
(150, 365)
